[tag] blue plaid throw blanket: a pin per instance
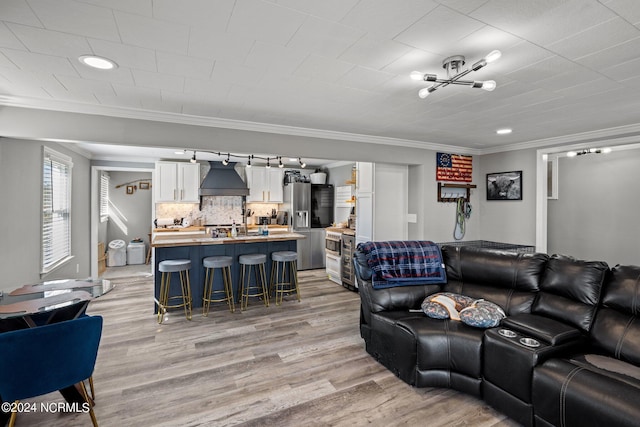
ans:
(403, 263)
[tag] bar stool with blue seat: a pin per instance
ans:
(255, 262)
(284, 274)
(224, 264)
(167, 267)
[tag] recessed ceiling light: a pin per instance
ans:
(503, 131)
(98, 62)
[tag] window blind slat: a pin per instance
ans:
(56, 210)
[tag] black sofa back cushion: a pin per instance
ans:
(616, 329)
(570, 290)
(506, 278)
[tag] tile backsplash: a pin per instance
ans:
(215, 210)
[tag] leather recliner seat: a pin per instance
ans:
(600, 386)
(554, 300)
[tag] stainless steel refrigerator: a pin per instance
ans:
(310, 210)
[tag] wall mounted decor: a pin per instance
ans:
(131, 189)
(504, 186)
(454, 167)
(144, 185)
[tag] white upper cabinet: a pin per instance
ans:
(265, 185)
(177, 182)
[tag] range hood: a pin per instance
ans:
(223, 180)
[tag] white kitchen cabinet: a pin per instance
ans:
(381, 202)
(265, 185)
(177, 182)
(364, 201)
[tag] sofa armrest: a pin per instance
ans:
(543, 328)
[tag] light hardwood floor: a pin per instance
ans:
(298, 364)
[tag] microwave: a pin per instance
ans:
(333, 242)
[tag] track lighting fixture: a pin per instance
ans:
(453, 65)
(605, 150)
(227, 158)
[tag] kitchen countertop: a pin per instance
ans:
(166, 240)
(178, 229)
(342, 230)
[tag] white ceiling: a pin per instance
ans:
(567, 66)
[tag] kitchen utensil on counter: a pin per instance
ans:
(282, 218)
(163, 222)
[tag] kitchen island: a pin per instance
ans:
(196, 247)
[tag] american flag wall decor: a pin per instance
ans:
(454, 167)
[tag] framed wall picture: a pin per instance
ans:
(130, 189)
(504, 185)
(144, 186)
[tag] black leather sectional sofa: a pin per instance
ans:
(582, 367)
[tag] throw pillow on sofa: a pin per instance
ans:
(445, 305)
(482, 314)
(473, 312)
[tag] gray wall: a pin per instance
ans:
(20, 219)
(596, 214)
(510, 221)
(436, 220)
(132, 210)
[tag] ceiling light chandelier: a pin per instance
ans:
(453, 65)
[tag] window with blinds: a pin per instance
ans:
(104, 197)
(56, 209)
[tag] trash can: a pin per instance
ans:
(117, 254)
(135, 253)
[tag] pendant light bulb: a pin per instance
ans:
(249, 160)
(492, 56)
(417, 76)
(280, 165)
(226, 161)
(302, 164)
(193, 159)
(489, 85)
(424, 92)
(268, 163)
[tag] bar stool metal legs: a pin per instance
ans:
(284, 275)
(259, 289)
(210, 264)
(181, 267)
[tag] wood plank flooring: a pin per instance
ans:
(299, 364)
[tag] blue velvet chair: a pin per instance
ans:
(44, 359)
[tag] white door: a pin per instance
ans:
(364, 217)
(391, 202)
(165, 182)
(276, 177)
(189, 182)
(256, 181)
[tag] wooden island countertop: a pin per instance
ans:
(198, 246)
(167, 240)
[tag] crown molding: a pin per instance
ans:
(618, 135)
(185, 119)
